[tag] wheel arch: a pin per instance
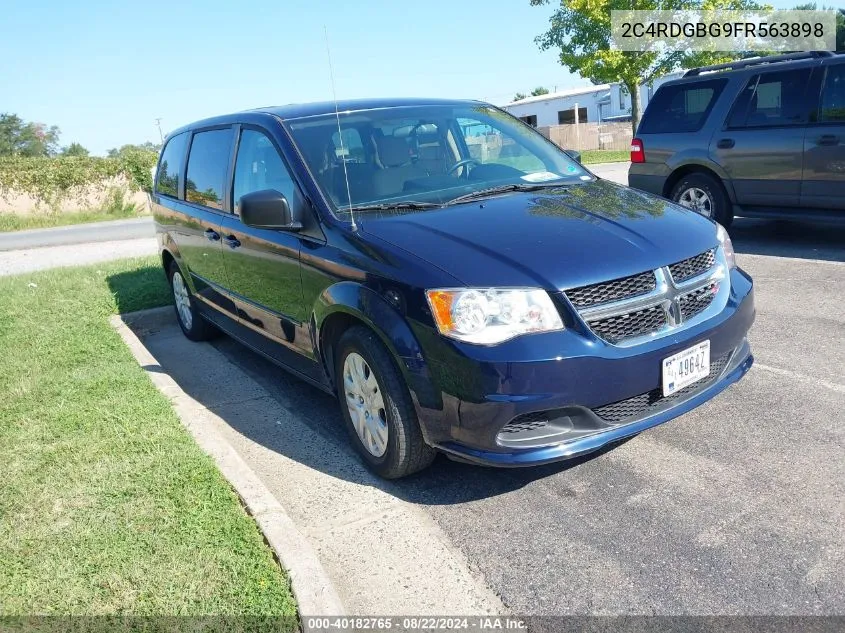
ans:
(347, 304)
(708, 168)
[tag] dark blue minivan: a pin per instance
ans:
(457, 280)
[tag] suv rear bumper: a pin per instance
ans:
(646, 182)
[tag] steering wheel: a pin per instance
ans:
(462, 163)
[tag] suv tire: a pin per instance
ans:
(704, 194)
(385, 432)
(193, 325)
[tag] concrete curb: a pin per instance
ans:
(315, 594)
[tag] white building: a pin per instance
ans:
(596, 104)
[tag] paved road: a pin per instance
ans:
(115, 230)
(617, 172)
(736, 508)
(32, 259)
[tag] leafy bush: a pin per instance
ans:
(52, 180)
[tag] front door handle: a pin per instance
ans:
(828, 139)
(212, 235)
(725, 143)
(231, 241)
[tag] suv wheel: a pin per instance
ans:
(193, 325)
(376, 407)
(705, 195)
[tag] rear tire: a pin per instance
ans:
(706, 195)
(385, 431)
(193, 325)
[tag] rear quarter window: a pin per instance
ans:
(681, 108)
(170, 166)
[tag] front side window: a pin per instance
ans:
(681, 107)
(208, 165)
(833, 95)
(431, 154)
(777, 98)
(170, 166)
(258, 166)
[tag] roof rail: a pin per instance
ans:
(754, 61)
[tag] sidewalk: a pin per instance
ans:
(382, 554)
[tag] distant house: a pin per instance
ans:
(596, 104)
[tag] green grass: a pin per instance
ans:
(592, 156)
(107, 505)
(12, 222)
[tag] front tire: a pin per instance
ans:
(377, 408)
(704, 194)
(193, 325)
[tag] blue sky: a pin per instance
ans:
(103, 71)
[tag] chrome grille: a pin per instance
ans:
(696, 301)
(617, 328)
(628, 310)
(623, 288)
(694, 266)
(645, 404)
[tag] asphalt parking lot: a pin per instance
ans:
(736, 508)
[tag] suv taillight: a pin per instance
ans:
(637, 151)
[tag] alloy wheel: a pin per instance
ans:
(697, 200)
(183, 300)
(366, 404)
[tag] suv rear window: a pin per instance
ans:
(775, 98)
(681, 108)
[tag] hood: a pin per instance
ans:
(555, 239)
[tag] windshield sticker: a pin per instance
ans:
(571, 169)
(541, 176)
(586, 177)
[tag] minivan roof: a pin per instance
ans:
(320, 108)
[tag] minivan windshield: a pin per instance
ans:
(412, 158)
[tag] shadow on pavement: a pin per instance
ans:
(263, 403)
(784, 238)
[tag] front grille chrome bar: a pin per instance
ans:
(669, 296)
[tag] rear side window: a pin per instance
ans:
(208, 165)
(778, 98)
(681, 108)
(167, 178)
(833, 95)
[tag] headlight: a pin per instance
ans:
(727, 245)
(487, 316)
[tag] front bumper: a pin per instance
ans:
(579, 377)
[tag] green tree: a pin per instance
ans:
(19, 138)
(129, 148)
(581, 30)
(840, 21)
(539, 91)
(74, 149)
(519, 96)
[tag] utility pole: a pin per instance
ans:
(160, 135)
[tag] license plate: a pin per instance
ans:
(684, 368)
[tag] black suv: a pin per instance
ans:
(761, 137)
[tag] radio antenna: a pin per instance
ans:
(339, 132)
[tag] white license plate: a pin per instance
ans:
(684, 368)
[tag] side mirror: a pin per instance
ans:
(267, 209)
(573, 154)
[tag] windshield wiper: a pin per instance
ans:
(492, 191)
(392, 206)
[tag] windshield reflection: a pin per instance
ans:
(426, 154)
